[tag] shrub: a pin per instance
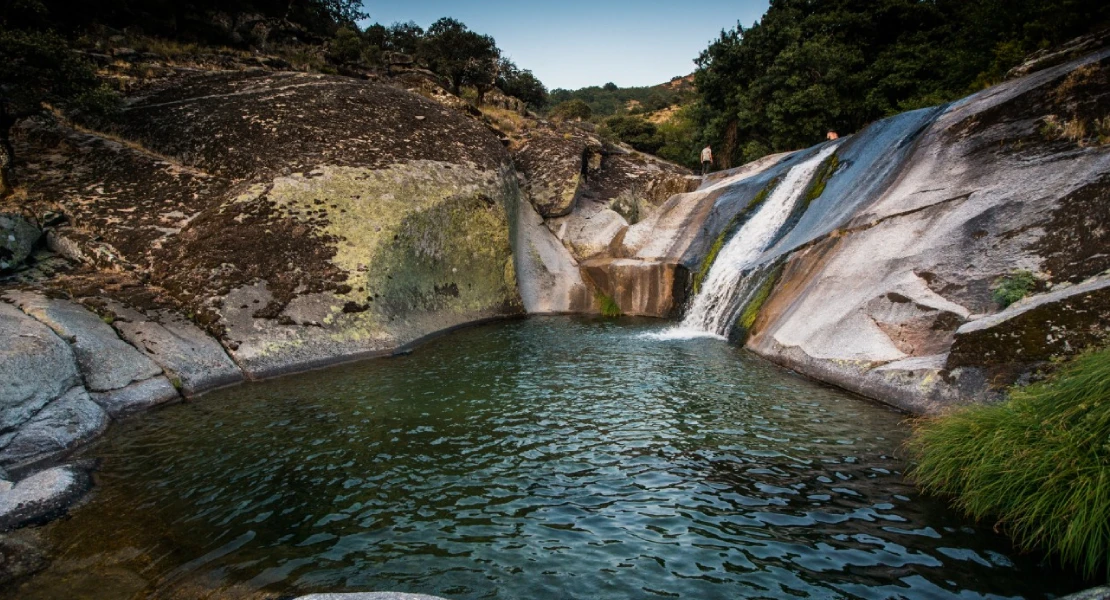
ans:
(1013, 287)
(636, 132)
(571, 109)
(1038, 463)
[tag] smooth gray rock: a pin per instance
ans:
(106, 362)
(36, 367)
(18, 237)
(197, 361)
(1098, 593)
(370, 596)
(136, 397)
(60, 426)
(42, 496)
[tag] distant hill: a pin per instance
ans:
(609, 99)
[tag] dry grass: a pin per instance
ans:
(506, 121)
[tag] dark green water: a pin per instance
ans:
(552, 458)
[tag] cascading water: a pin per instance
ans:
(728, 286)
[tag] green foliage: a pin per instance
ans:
(824, 173)
(348, 46)
(462, 56)
(807, 67)
(680, 137)
(571, 109)
(634, 131)
(1038, 464)
(608, 306)
(521, 84)
(726, 233)
(610, 100)
(1013, 287)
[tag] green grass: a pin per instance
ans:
(1013, 287)
(1038, 463)
(609, 307)
(719, 243)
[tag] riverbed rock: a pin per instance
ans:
(1097, 593)
(194, 360)
(549, 278)
(60, 426)
(36, 367)
(137, 396)
(106, 362)
(21, 554)
(42, 496)
(18, 237)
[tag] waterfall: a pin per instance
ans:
(728, 286)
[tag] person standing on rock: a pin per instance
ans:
(706, 160)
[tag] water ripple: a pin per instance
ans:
(552, 458)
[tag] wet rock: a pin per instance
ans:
(36, 367)
(136, 397)
(18, 237)
(60, 426)
(42, 496)
(21, 555)
(106, 362)
(1098, 593)
(194, 360)
(639, 287)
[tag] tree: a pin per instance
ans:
(404, 38)
(521, 84)
(39, 70)
(636, 132)
(460, 55)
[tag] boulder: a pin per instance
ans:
(106, 362)
(36, 367)
(42, 496)
(60, 426)
(553, 167)
(136, 397)
(639, 287)
(18, 237)
(194, 360)
(1035, 330)
(548, 275)
(355, 225)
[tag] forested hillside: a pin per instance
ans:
(807, 67)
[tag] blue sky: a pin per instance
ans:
(576, 43)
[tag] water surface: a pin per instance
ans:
(553, 458)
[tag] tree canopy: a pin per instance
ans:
(807, 67)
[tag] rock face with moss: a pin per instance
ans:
(301, 219)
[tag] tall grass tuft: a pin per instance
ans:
(1038, 463)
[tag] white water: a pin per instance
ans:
(725, 290)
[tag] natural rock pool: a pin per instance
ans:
(560, 458)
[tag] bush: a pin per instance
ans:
(636, 132)
(1013, 287)
(1038, 463)
(571, 109)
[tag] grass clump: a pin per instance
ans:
(1013, 287)
(719, 243)
(1038, 463)
(608, 306)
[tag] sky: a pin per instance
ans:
(577, 43)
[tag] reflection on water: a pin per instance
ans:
(549, 458)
